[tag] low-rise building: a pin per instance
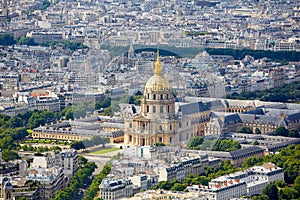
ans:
(249, 182)
(144, 181)
(115, 188)
(51, 180)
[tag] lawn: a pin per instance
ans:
(106, 150)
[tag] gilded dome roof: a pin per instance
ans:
(157, 82)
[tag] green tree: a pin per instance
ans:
(69, 114)
(282, 131)
(6, 40)
(19, 133)
(255, 142)
(7, 143)
(82, 161)
(77, 145)
(159, 144)
(293, 133)
(280, 184)
(226, 145)
(289, 193)
(26, 41)
(257, 131)
(245, 129)
(194, 142)
(262, 197)
(36, 120)
(178, 187)
(8, 155)
(291, 170)
(271, 191)
(15, 122)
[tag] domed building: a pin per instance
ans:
(157, 121)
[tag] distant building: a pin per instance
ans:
(51, 180)
(115, 188)
(67, 159)
(249, 182)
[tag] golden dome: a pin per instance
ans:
(157, 82)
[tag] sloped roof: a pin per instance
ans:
(192, 108)
(246, 152)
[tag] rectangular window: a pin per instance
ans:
(147, 109)
(160, 139)
(154, 109)
(161, 109)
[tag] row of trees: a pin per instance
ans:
(280, 131)
(286, 93)
(40, 149)
(7, 40)
(76, 182)
(239, 54)
(198, 143)
(92, 191)
(65, 44)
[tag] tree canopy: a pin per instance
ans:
(286, 93)
(197, 143)
(7, 39)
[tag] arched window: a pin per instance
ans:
(154, 96)
(161, 96)
(161, 109)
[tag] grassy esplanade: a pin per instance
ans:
(106, 150)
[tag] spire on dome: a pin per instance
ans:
(158, 68)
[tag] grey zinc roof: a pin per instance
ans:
(192, 108)
(294, 117)
(281, 145)
(213, 105)
(232, 119)
(245, 151)
(262, 119)
(258, 111)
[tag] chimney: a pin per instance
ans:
(281, 116)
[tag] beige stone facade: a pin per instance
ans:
(157, 121)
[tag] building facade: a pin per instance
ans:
(157, 121)
(115, 188)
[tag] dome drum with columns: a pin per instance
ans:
(157, 121)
